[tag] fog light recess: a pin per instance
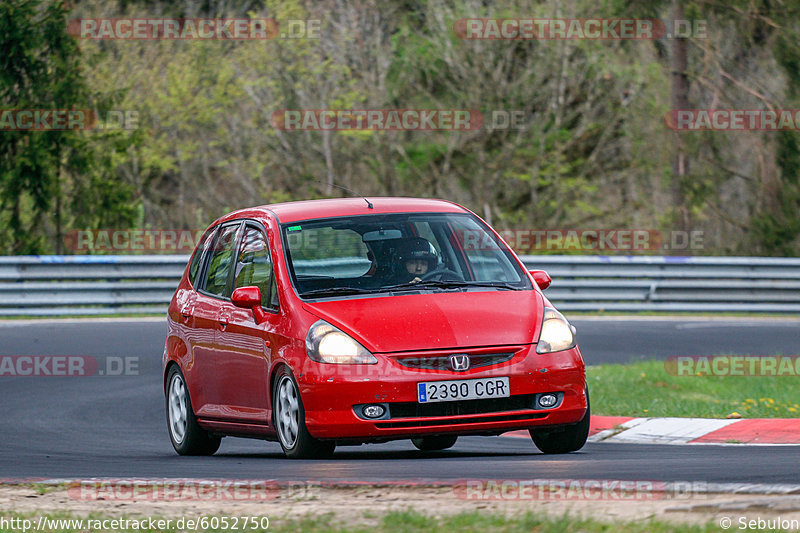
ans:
(373, 411)
(547, 400)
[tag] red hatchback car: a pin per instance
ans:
(345, 321)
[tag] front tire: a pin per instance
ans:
(429, 444)
(290, 421)
(187, 437)
(563, 440)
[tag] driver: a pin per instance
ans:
(415, 258)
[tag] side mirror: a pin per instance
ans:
(541, 278)
(249, 298)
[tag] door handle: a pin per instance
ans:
(223, 323)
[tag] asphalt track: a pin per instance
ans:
(103, 426)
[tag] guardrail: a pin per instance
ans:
(92, 285)
(668, 283)
(52, 285)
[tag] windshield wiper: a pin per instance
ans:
(420, 285)
(335, 291)
(448, 285)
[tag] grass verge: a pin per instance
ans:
(646, 389)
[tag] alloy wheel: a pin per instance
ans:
(177, 409)
(288, 415)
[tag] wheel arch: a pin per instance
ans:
(167, 370)
(273, 375)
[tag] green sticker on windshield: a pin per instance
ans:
(294, 228)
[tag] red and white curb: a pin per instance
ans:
(759, 431)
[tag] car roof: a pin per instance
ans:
(338, 207)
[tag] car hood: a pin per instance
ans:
(436, 321)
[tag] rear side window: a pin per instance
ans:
(254, 266)
(219, 266)
(202, 246)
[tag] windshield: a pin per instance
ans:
(373, 254)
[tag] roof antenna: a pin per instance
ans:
(369, 204)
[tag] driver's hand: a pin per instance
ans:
(415, 280)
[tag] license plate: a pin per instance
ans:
(462, 389)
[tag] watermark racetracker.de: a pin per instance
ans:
(68, 366)
(132, 240)
(578, 28)
(155, 28)
(733, 365)
(182, 490)
(577, 489)
(67, 119)
(530, 240)
(733, 119)
(377, 119)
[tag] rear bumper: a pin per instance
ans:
(330, 392)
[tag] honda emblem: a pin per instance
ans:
(459, 362)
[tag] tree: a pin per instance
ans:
(46, 176)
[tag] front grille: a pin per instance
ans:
(443, 362)
(463, 407)
(473, 420)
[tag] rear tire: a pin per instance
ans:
(429, 444)
(187, 437)
(290, 421)
(566, 439)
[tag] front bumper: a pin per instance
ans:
(330, 392)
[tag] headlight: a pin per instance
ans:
(328, 344)
(557, 334)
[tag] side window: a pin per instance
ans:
(200, 250)
(219, 266)
(487, 259)
(424, 230)
(437, 234)
(254, 266)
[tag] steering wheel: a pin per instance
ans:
(441, 274)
